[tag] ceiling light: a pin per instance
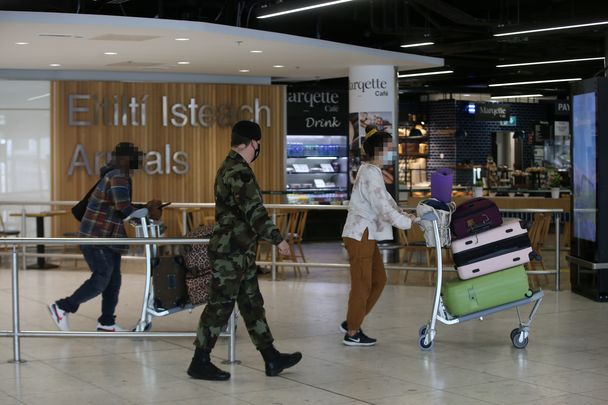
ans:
(561, 27)
(110, 53)
(516, 96)
(182, 39)
(278, 66)
(39, 97)
(418, 44)
(439, 72)
(22, 43)
(256, 51)
(547, 62)
(297, 10)
(466, 95)
(534, 82)
(244, 70)
(54, 64)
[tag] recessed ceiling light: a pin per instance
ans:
(417, 44)
(534, 82)
(278, 66)
(22, 43)
(183, 63)
(182, 39)
(516, 96)
(547, 62)
(561, 27)
(256, 51)
(244, 70)
(110, 53)
(466, 95)
(311, 7)
(439, 72)
(54, 64)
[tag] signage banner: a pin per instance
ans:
(562, 107)
(313, 110)
(373, 106)
(492, 112)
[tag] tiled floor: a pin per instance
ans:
(473, 363)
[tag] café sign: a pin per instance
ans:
(492, 112)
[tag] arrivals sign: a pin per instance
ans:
(316, 111)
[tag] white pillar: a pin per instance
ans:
(373, 100)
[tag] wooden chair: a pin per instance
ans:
(413, 242)
(296, 224)
(6, 233)
(538, 235)
(191, 222)
(264, 252)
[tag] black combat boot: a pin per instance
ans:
(201, 368)
(277, 362)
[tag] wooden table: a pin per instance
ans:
(41, 263)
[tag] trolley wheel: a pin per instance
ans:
(517, 343)
(514, 333)
(424, 346)
(422, 330)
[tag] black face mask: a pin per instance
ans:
(257, 153)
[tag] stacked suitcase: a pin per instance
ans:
(489, 255)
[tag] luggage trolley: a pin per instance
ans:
(427, 333)
(145, 229)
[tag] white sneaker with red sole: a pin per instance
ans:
(59, 316)
(110, 328)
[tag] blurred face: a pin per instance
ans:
(388, 153)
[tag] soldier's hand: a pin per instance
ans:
(284, 249)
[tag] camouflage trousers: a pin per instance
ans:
(234, 280)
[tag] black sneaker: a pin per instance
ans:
(344, 328)
(360, 339)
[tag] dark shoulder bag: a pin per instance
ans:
(79, 209)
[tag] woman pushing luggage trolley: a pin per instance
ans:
(474, 290)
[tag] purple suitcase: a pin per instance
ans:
(495, 264)
(474, 216)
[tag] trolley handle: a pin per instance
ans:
(137, 216)
(429, 216)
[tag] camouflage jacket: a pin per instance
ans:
(240, 216)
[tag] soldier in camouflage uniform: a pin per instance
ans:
(240, 220)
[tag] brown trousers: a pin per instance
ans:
(367, 277)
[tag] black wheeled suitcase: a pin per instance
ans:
(169, 282)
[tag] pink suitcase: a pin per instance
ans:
(495, 264)
(510, 228)
(493, 250)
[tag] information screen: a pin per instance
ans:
(584, 149)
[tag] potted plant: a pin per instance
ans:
(478, 188)
(555, 182)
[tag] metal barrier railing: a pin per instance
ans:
(273, 208)
(16, 333)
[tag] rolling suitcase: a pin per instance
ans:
(474, 216)
(169, 282)
(497, 249)
(463, 297)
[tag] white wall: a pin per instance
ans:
(25, 160)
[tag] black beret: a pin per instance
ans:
(247, 129)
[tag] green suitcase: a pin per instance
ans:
(463, 297)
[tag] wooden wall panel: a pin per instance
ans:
(206, 147)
